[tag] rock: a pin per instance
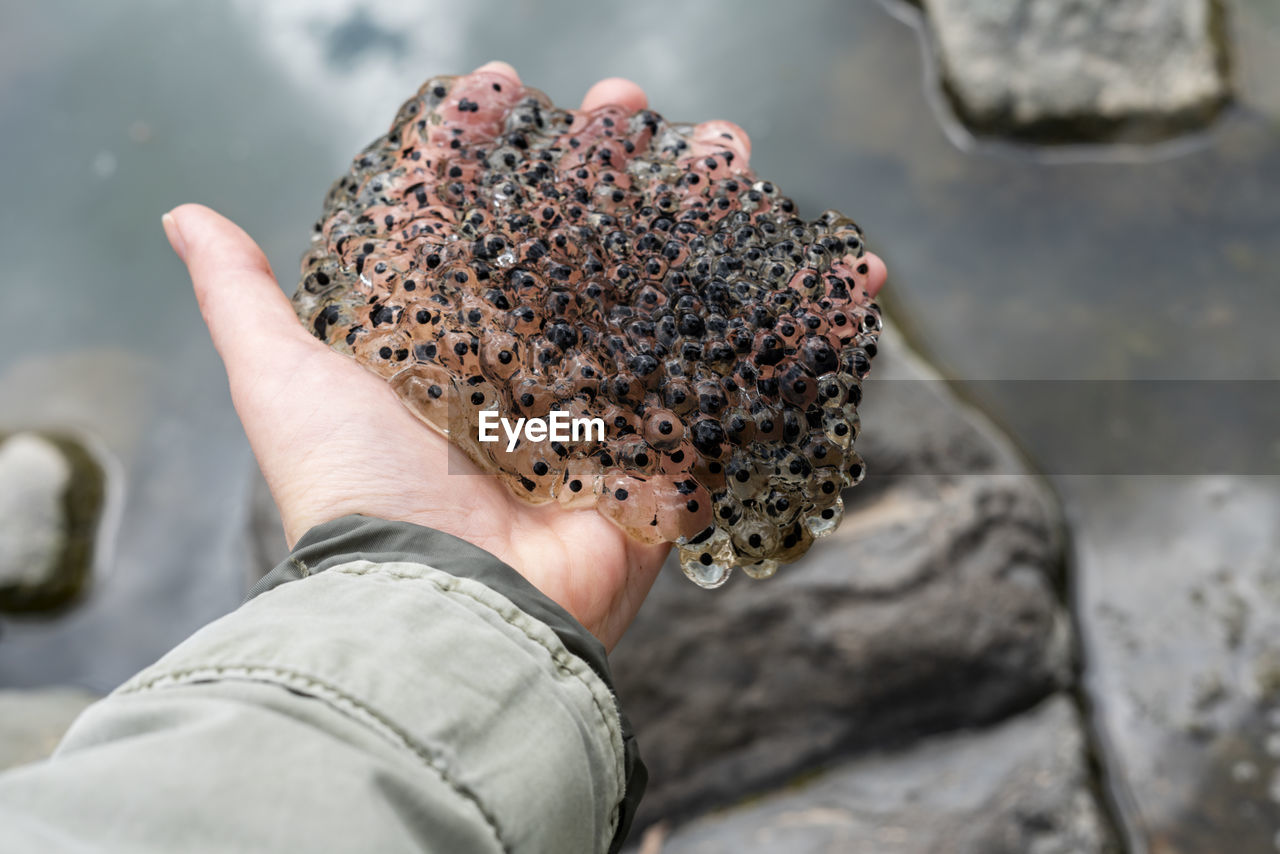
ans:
(1021, 786)
(1179, 598)
(932, 607)
(51, 493)
(33, 722)
(33, 522)
(1089, 70)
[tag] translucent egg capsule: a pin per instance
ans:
(663, 429)
(634, 454)
(795, 541)
(683, 507)
(761, 569)
(744, 475)
(854, 470)
(824, 521)
(708, 560)
(500, 355)
(825, 484)
(428, 392)
(630, 502)
(839, 429)
(577, 489)
(754, 536)
(477, 394)
(384, 353)
(782, 504)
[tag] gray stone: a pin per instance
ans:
(932, 607)
(1020, 787)
(1082, 70)
(1179, 609)
(51, 494)
(33, 722)
(34, 479)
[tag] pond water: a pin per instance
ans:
(1058, 287)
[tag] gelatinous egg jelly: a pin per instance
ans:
(495, 252)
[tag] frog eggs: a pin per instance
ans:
(493, 253)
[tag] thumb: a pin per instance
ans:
(250, 319)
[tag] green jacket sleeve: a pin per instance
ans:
(387, 688)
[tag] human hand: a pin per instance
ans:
(333, 439)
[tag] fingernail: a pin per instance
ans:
(175, 236)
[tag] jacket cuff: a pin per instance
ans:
(379, 541)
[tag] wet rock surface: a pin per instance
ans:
(33, 521)
(1017, 787)
(51, 496)
(932, 608)
(33, 722)
(1179, 608)
(1091, 70)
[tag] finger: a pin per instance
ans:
(719, 135)
(249, 317)
(867, 272)
(497, 66)
(876, 273)
(615, 90)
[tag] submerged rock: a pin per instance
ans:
(494, 256)
(1088, 70)
(1179, 591)
(1021, 786)
(51, 495)
(33, 521)
(933, 607)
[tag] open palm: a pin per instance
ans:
(334, 439)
